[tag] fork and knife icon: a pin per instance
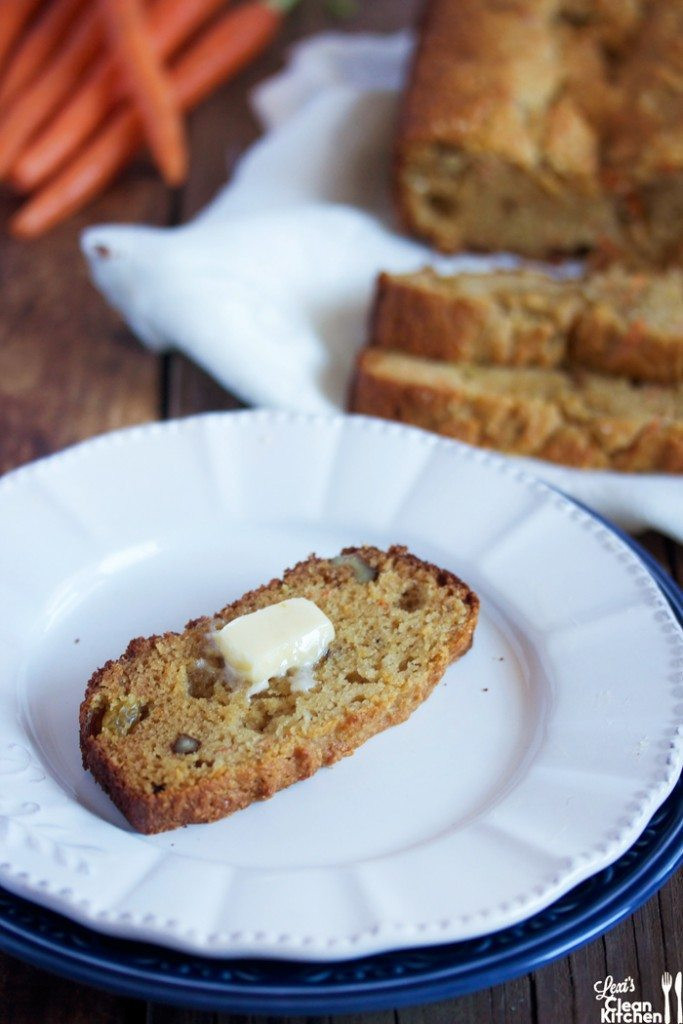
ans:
(667, 982)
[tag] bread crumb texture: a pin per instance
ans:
(576, 418)
(546, 127)
(626, 323)
(172, 743)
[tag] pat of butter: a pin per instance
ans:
(293, 634)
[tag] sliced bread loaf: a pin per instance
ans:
(172, 743)
(580, 419)
(508, 318)
(619, 322)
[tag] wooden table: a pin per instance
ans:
(69, 369)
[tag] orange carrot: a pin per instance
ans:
(170, 23)
(219, 53)
(38, 43)
(149, 86)
(33, 106)
(82, 180)
(226, 47)
(13, 16)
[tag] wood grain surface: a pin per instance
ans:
(69, 370)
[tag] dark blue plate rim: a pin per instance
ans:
(404, 977)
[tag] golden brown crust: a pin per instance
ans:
(545, 127)
(547, 414)
(624, 323)
(283, 759)
(518, 318)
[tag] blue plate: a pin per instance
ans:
(369, 983)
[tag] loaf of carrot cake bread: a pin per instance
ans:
(189, 727)
(574, 417)
(617, 322)
(546, 127)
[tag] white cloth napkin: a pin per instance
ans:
(269, 287)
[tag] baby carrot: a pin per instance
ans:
(170, 23)
(33, 106)
(13, 16)
(148, 85)
(37, 44)
(83, 179)
(226, 47)
(219, 53)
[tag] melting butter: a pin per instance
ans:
(291, 635)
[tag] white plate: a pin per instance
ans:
(536, 762)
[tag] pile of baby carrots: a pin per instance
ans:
(84, 84)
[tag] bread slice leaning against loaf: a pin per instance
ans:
(579, 419)
(168, 739)
(620, 322)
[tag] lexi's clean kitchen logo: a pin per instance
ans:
(620, 1007)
